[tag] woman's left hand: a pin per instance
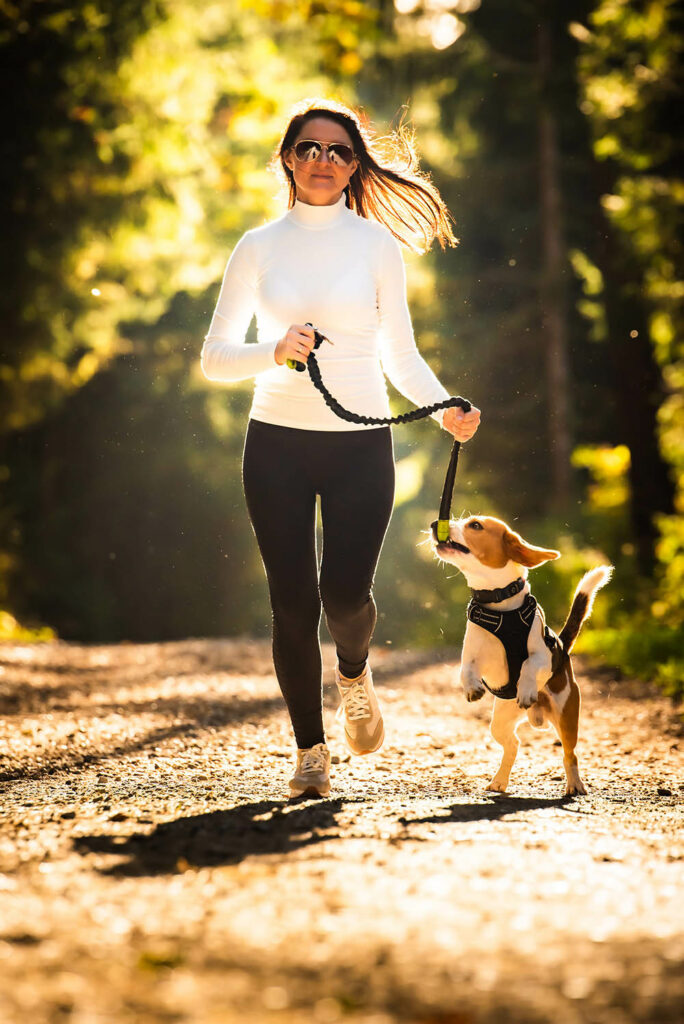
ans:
(461, 424)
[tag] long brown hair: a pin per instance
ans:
(387, 185)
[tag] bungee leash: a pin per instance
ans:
(407, 417)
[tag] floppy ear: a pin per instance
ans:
(518, 550)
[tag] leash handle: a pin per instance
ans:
(445, 504)
(295, 364)
(443, 528)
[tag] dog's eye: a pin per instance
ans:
(475, 525)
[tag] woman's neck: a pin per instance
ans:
(310, 216)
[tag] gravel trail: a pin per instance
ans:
(152, 869)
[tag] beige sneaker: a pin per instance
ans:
(312, 775)
(364, 729)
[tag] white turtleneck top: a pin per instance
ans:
(345, 275)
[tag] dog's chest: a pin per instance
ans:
(509, 631)
(489, 656)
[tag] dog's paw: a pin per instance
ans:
(575, 788)
(526, 698)
(535, 716)
(474, 692)
(497, 785)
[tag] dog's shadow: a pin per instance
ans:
(490, 808)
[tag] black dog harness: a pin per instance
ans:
(513, 629)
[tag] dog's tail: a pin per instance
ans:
(582, 603)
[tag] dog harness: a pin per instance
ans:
(513, 629)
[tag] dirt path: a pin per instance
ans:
(151, 869)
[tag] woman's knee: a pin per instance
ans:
(344, 604)
(295, 616)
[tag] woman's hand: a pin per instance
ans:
(461, 424)
(296, 344)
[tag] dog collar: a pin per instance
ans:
(499, 593)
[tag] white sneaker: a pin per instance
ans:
(312, 774)
(364, 729)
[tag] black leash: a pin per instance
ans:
(406, 417)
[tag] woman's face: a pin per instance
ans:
(320, 182)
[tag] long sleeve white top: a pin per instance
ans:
(344, 274)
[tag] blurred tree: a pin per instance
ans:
(491, 86)
(64, 191)
(627, 71)
(513, 141)
(135, 157)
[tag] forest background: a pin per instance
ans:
(136, 142)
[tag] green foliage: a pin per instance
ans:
(641, 648)
(627, 71)
(65, 192)
(669, 592)
(12, 631)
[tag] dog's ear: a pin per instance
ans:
(518, 550)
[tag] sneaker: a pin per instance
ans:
(364, 729)
(312, 775)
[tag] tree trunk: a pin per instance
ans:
(553, 294)
(638, 382)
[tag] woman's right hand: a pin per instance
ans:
(296, 344)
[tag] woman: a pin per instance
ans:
(332, 260)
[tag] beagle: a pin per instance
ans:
(508, 648)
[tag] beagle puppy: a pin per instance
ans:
(508, 648)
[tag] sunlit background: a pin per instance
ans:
(136, 141)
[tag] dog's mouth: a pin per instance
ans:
(449, 543)
(454, 544)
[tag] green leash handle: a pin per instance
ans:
(442, 530)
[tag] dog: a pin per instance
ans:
(508, 648)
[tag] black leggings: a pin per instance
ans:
(283, 468)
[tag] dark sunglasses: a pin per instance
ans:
(307, 150)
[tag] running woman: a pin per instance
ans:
(333, 259)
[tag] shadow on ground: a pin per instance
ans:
(494, 809)
(219, 837)
(228, 836)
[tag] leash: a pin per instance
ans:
(407, 417)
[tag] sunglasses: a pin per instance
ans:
(308, 150)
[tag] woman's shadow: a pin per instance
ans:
(219, 837)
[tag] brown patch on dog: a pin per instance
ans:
(486, 544)
(518, 550)
(574, 621)
(569, 720)
(559, 679)
(544, 701)
(496, 544)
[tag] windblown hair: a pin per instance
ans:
(387, 185)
